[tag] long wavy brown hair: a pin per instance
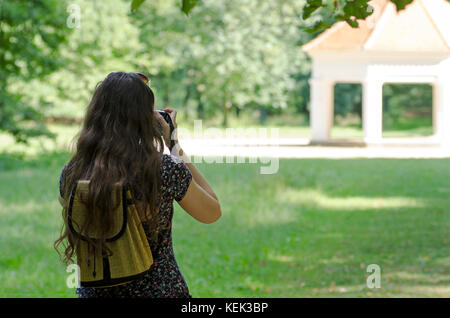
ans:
(120, 143)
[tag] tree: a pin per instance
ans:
(330, 11)
(30, 35)
(229, 54)
(104, 41)
(225, 47)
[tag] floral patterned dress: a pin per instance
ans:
(164, 279)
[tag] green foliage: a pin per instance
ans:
(348, 99)
(401, 4)
(403, 103)
(105, 41)
(330, 11)
(406, 107)
(136, 4)
(310, 7)
(188, 5)
(30, 35)
(226, 55)
(327, 12)
(229, 57)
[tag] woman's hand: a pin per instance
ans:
(166, 128)
(173, 115)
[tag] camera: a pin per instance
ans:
(168, 120)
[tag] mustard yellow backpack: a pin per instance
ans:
(130, 255)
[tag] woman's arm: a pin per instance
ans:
(200, 201)
(198, 177)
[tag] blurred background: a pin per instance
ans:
(310, 230)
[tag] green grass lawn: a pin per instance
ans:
(310, 230)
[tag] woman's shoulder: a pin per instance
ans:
(176, 176)
(171, 161)
(172, 165)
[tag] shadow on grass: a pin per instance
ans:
(295, 245)
(17, 161)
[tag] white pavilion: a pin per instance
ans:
(409, 46)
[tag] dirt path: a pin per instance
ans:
(255, 148)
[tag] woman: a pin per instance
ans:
(122, 140)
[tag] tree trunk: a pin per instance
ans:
(200, 107)
(167, 95)
(262, 114)
(225, 115)
(186, 100)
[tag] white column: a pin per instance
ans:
(321, 109)
(437, 116)
(372, 111)
(443, 99)
(443, 88)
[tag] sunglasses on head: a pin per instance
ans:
(144, 78)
